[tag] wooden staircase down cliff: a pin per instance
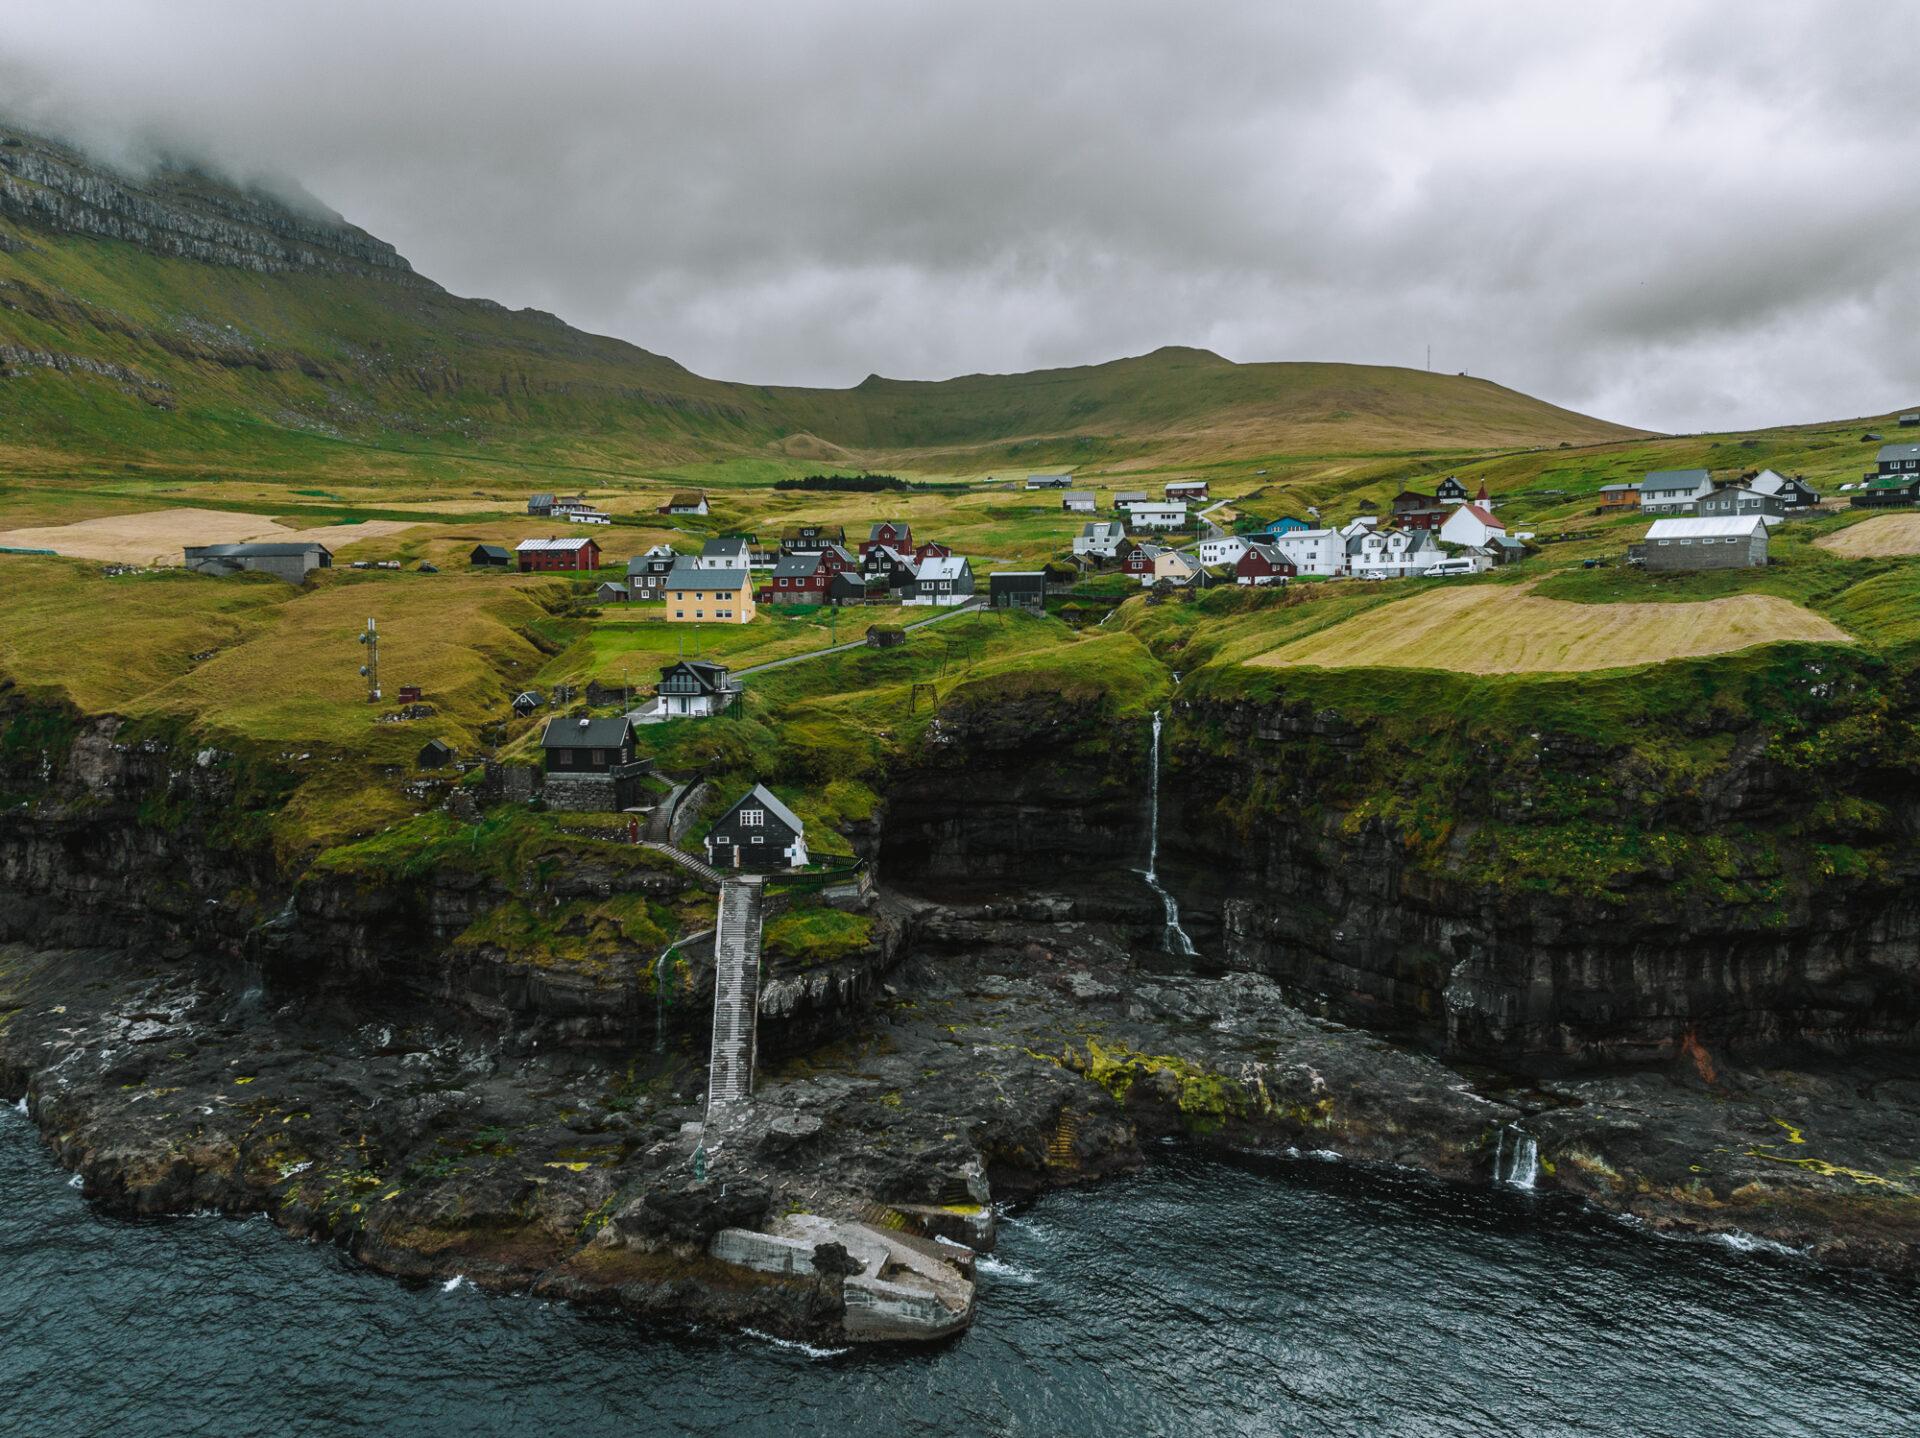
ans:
(736, 998)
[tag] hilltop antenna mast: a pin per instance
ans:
(1429, 359)
(371, 638)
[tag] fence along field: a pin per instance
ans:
(1503, 629)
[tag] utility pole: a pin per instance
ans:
(1429, 359)
(371, 669)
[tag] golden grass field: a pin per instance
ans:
(158, 536)
(1885, 536)
(1502, 629)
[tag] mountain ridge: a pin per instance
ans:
(210, 303)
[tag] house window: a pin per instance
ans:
(753, 818)
(758, 839)
(599, 757)
(679, 614)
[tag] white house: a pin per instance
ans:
(728, 553)
(1157, 516)
(943, 580)
(1079, 501)
(1469, 524)
(1225, 550)
(1364, 524)
(1396, 553)
(1313, 551)
(1674, 491)
(1101, 538)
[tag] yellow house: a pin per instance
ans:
(708, 596)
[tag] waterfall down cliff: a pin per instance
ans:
(1177, 940)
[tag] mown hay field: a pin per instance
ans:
(1885, 536)
(159, 536)
(1501, 629)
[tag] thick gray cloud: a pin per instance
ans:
(1683, 215)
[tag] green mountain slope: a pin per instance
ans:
(177, 322)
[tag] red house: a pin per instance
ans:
(889, 534)
(1263, 564)
(930, 550)
(1412, 510)
(1139, 563)
(540, 555)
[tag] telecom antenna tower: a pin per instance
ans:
(371, 638)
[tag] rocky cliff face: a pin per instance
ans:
(175, 211)
(1284, 874)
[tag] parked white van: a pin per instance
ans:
(1452, 566)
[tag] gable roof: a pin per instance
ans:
(1733, 527)
(1130, 496)
(726, 547)
(493, 551)
(1675, 479)
(897, 526)
(565, 733)
(545, 499)
(705, 672)
(1473, 508)
(797, 566)
(1089, 495)
(944, 567)
(1899, 451)
(529, 545)
(257, 551)
(686, 574)
(766, 798)
(686, 499)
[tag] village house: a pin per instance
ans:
(1470, 524)
(647, 573)
(1313, 551)
(1674, 491)
(1895, 460)
(1080, 501)
(1100, 538)
(1225, 550)
(727, 552)
(1694, 543)
(1885, 491)
(590, 765)
(1058, 480)
(612, 592)
(1619, 496)
(695, 688)
(1450, 491)
(1018, 589)
(1738, 500)
(943, 582)
(540, 505)
(1908, 421)
(1187, 491)
(1395, 554)
(1156, 516)
(848, 588)
(579, 511)
(1796, 496)
(491, 556)
(1175, 567)
(696, 594)
(544, 555)
(893, 534)
(1412, 510)
(930, 549)
(1263, 564)
(291, 562)
(1125, 499)
(804, 578)
(586, 746)
(812, 538)
(685, 501)
(1285, 524)
(758, 834)
(1140, 561)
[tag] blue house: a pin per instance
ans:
(1285, 524)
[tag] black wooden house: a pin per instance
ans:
(758, 834)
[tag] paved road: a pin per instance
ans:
(971, 607)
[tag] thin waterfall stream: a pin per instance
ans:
(1177, 940)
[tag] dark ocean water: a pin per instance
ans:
(1199, 1298)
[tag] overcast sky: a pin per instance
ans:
(1681, 215)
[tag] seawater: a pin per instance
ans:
(1197, 1298)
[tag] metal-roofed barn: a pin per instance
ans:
(1738, 542)
(291, 562)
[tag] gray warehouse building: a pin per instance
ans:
(1736, 542)
(290, 562)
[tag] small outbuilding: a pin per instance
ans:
(612, 592)
(526, 701)
(885, 636)
(490, 556)
(434, 754)
(291, 562)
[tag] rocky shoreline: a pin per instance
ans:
(1015, 1048)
